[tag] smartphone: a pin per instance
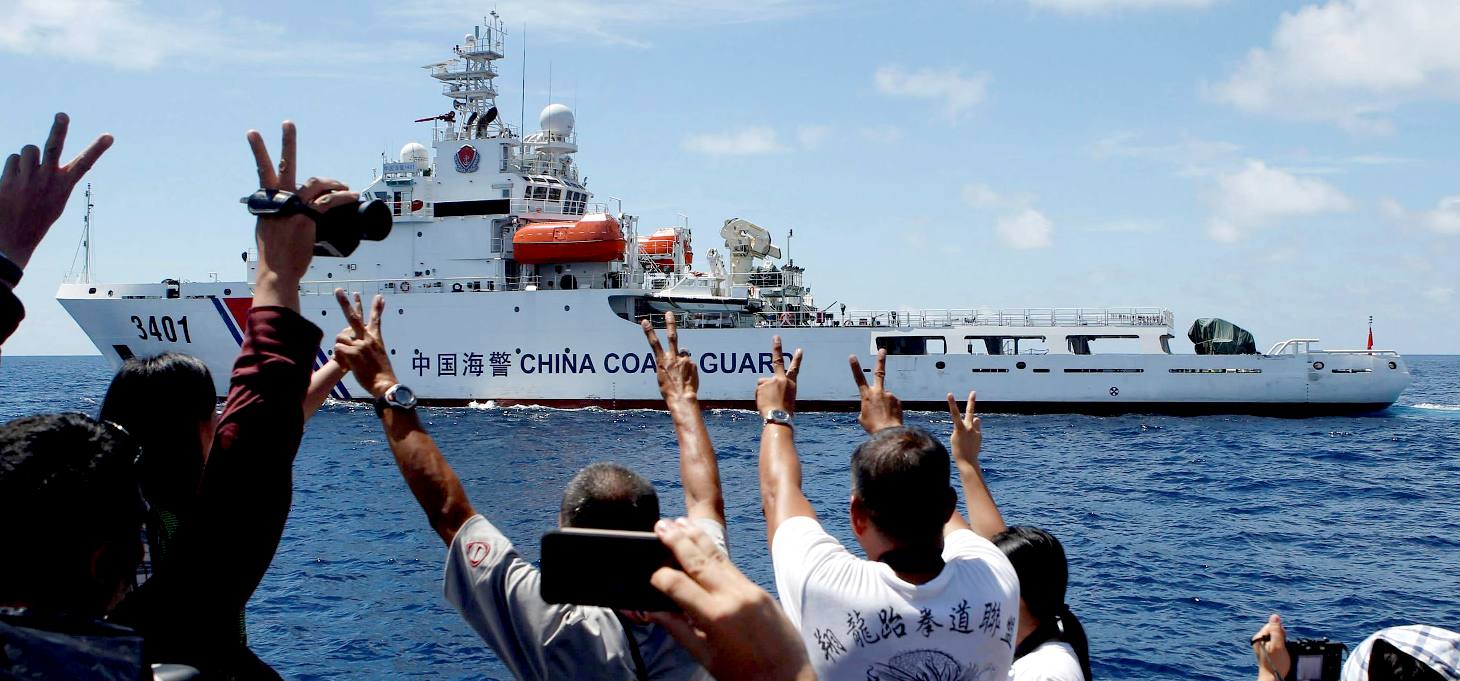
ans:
(609, 568)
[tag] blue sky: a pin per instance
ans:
(1289, 166)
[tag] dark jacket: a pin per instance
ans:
(189, 611)
(43, 647)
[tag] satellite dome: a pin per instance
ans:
(415, 153)
(556, 118)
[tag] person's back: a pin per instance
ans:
(861, 620)
(934, 599)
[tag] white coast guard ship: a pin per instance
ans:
(506, 283)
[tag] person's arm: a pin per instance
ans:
(321, 382)
(425, 470)
(983, 513)
(729, 624)
(781, 497)
(1270, 645)
(679, 383)
(34, 189)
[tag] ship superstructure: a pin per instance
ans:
(506, 282)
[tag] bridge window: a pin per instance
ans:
(1005, 345)
(913, 345)
(1107, 344)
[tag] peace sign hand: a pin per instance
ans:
(779, 391)
(967, 431)
(286, 244)
(361, 348)
(880, 409)
(34, 188)
(679, 381)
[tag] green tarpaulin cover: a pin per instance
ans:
(1214, 336)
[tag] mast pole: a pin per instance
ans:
(86, 238)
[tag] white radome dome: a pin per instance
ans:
(415, 153)
(556, 118)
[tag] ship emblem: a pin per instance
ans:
(467, 159)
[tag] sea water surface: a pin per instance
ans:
(1182, 533)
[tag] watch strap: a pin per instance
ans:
(10, 272)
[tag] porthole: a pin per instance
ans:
(1393, 365)
(418, 233)
(400, 310)
(93, 290)
(940, 365)
(109, 293)
(329, 275)
(324, 313)
(228, 292)
(1020, 365)
(1318, 366)
(392, 351)
(567, 307)
(516, 309)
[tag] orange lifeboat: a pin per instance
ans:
(660, 246)
(595, 238)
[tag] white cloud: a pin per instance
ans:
(1193, 157)
(1021, 225)
(1026, 229)
(740, 142)
(125, 34)
(613, 22)
(1101, 6)
(1443, 219)
(1440, 294)
(1351, 62)
(1258, 195)
(881, 134)
(956, 92)
(813, 136)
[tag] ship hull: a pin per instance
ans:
(569, 349)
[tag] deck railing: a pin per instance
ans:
(1042, 317)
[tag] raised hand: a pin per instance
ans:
(733, 627)
(34, 189)
(286, 243)
(779, 391)
(880, 409)
(361, 348)
(967, 431)
(1270, 645)
(679, 380)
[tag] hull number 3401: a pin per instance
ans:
(167, 329)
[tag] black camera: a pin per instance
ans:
(1315, 659)
(337, 231)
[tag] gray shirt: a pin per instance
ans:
(499, 594)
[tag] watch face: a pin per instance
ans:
(779, 416)
(402, 396)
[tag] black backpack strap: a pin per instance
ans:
(641, 671)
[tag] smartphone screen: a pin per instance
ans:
(609, 568)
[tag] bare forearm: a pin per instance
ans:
(983, 513)
(272, 288)
(428, 475)
(321, 383)
(699, 470)
(780, 478)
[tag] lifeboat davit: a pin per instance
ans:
(660, 246)
(595, 238)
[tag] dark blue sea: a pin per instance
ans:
(1182, 533)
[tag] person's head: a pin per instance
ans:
(1039, 561)
(70, 514)
(167, 404)
(900, 492)
(607, 496)
(1408, 653)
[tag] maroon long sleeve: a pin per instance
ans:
(189, 612)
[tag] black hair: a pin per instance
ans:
(1039, 560)
(1388, 663)
(161, 401)
(901, 477)
(68, 487)
(607, 496)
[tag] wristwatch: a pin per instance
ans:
(396, 397)
(780, 417)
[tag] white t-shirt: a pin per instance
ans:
(1051, 661)
(859, 621)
